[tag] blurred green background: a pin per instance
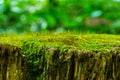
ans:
(99, 16)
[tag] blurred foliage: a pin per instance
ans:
(101, 16)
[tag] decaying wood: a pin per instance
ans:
(12, 63)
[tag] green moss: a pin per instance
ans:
(62, 40)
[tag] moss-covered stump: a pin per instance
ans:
(53, 63)
(68, 56)
(84, 65)
(12, 63)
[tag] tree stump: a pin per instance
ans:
(12, 63)
(84, 65)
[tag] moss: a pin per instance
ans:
(70, 40)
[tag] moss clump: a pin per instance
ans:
(70, 40)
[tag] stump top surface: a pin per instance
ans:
(80, 41)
